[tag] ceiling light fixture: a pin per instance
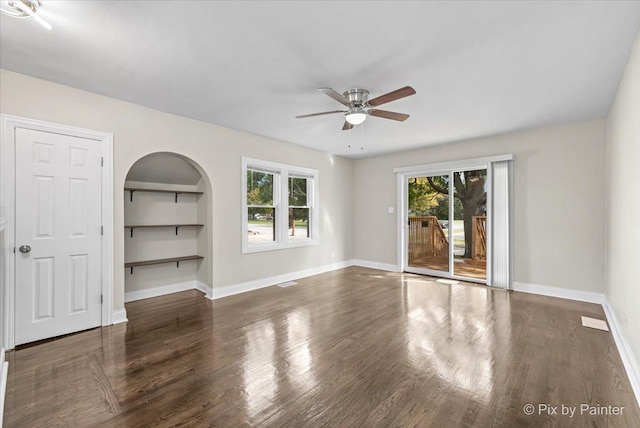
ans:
(356, 117)
(25, 9)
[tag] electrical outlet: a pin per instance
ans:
(624, 317)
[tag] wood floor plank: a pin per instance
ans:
(353, 347)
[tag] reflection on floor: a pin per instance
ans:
(463, 267)
(354, 347)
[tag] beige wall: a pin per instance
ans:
(623, 203)
(558, 201)
(139, 131)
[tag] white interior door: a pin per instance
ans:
(58, 235)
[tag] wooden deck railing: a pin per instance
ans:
(479, 238)
(426, 238)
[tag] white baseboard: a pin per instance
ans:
(205, 289)
(230, 290)
(4, 372)
(243, 287)
(119, 316)
(132, 296)
(563, 293)
(626, 354)
(377, 265)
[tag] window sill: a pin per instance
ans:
(248, 249)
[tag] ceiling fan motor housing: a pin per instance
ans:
(357, 97)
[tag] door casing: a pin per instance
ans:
(8, 125)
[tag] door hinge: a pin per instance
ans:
(101, 298)
(101, 230)
(101, 161)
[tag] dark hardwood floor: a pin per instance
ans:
(350, 348)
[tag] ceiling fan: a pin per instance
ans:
(360, 106)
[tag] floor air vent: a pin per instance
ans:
(594, 323)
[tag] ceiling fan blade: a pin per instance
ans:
(320, 114)
(335, 95)
(346, 126)
(401, 117)
(392, 96)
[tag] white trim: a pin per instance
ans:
(563, 293)
(377, 265)
(452, 225)
(456, 164)
(148, 293)
(8, 124)
(201, 286)
(281, 172)
(489, 226)
(243, 287)
(119, 316)
(269, 166)
(401, 221)
(629, 360)
(108, 231)
(4, 372)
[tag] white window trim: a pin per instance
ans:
(281, 202)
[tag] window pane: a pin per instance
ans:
(259, 188)
(262, 225)
(297, 192)
(470, 224)
(429, 223)
(299, 224)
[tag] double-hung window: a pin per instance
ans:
(299, 207)
(261, 208)
(278, 204)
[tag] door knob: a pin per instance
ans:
(25, 249)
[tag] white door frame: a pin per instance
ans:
(441, 168)
(8, 125)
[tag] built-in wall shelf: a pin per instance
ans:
(176, 192)
(177, 261)
(143, 226)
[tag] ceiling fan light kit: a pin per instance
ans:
(24, 9)
(360, 107)
(356, 118)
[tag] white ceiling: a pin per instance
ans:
(479, 68)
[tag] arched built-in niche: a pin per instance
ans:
(167, 218)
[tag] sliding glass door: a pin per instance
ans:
(428, 222)
(469, 230)
(446, 224)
